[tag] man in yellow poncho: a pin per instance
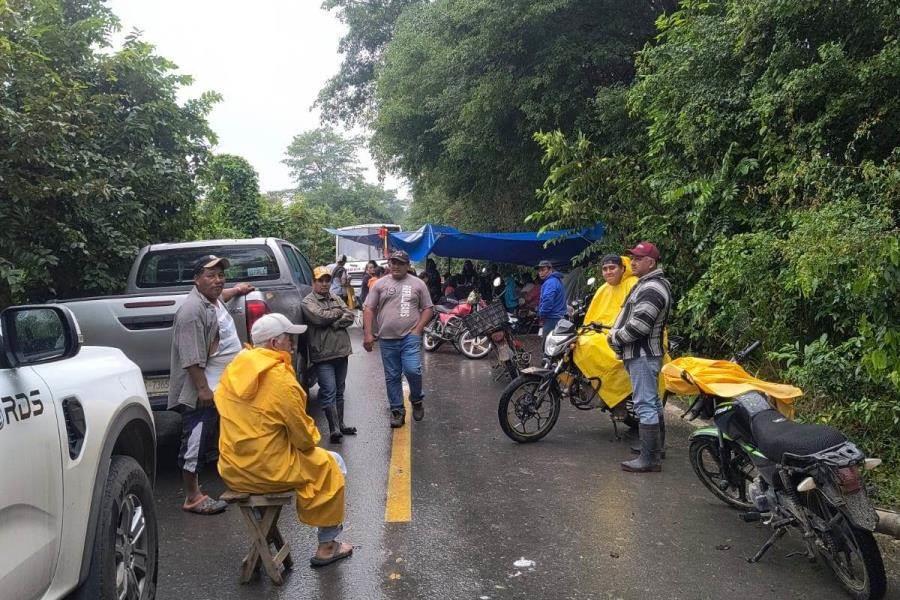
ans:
(593, 356)
(267, 442)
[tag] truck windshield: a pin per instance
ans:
(170, 268)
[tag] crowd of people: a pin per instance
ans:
(244, 410)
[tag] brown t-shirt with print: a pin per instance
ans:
(398, 304)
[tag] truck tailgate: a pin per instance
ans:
(139, 325)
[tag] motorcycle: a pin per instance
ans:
(512, 356)
(447, 326)
(790, 475)
(524, 321)
(529, 406)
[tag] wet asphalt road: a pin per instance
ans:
(481, 502)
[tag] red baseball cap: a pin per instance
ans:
(645, 249)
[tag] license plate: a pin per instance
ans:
(157, 386)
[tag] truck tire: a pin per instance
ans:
(127, 521)
(168, 428)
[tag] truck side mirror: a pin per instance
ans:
(38, 334)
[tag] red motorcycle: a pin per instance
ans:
(447, 326)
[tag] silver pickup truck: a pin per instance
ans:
(139, 322)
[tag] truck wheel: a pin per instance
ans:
(124, 556)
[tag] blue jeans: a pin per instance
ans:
(548, 327)
(332, 375)
(402, 357)
(328, 534)
(644, 374)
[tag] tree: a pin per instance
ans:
(326, 167)
(465, 84)
(321, 157)
(97, 157)
(348, 97)
(232, 189)
(303, 223)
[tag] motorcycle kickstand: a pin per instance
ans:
(615, 427)
(769, 543)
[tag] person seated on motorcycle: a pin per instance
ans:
(593, 356)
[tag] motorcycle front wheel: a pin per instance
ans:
(528, 410)
(851, 552)
(473, 347)
(431, 342)
(730, 485)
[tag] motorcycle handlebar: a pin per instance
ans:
(740, 356)
(593, 327)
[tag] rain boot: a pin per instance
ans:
(333, 424)
(344, 428)
(649, 460)
(636, 449)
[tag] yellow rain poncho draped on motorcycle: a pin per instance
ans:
(725, 379)
(592, 355)
(267, 442)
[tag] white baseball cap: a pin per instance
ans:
(271, 326)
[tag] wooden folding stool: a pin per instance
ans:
(261, 512)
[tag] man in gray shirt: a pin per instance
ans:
(204, 342)
(396, 311)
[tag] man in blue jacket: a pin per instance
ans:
(552, 306)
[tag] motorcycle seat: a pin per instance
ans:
(442, 309)
(775, 435)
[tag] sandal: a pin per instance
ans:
(315, 561)
(204, 505)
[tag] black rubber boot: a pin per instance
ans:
(333, 424)
(398, 418)
(636, 449)
(649, 460)
(344, 429)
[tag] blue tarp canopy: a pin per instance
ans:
(525, 248)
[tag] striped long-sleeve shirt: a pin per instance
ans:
(638, 330)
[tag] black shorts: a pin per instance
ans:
(199, 438)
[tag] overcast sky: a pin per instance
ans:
(268, 59)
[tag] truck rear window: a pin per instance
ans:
(169, 268)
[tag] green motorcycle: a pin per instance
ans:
(791, 475)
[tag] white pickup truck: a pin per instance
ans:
(77, 514)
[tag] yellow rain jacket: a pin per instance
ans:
(725, 379)
(592, 352)
(267, 442)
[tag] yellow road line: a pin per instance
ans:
(398, 508)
